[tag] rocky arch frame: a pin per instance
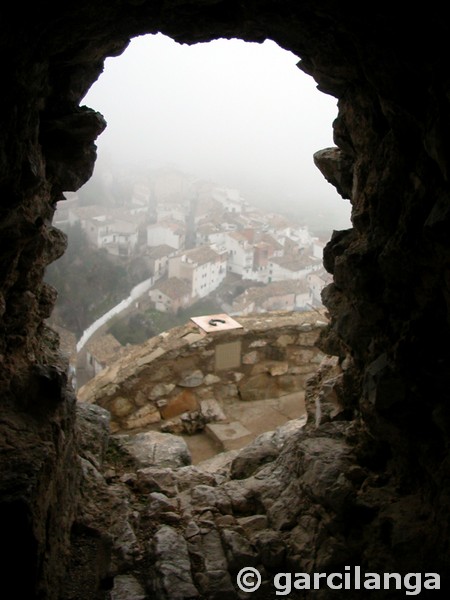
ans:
(389, 303)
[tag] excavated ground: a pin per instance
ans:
(255, 418)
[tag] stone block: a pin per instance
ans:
(258, 344)
(145, 360)
(308, 338)
(161, 389)
(253, 523)
(239, 552)
(250, 358)
(264, 386)
(183, 402)
(211, 379)
(120, 407)
(285, 340)
(144, 416)
(278, 368)
(153, 448)
(229, 435)
(126, 587)
(191, 380)
(172, 565)
(212, 410)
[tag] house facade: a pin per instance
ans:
(170, 233)
(282, 295)
(240, 253)
(101, 352)
(291, 267)
(171, 295)
(204, 268)
(158, 259)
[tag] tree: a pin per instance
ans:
(87, 280)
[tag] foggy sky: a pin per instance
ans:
(242, 114)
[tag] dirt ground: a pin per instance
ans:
(245, 421)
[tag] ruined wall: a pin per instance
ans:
(389, 303)
(272, 355)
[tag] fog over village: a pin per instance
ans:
(202, 200)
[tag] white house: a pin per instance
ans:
(202, 267)
(171, 211)
(141, 194)
(170, 295)
(99, 230)
(116, 231)
(230, 199)
(281, 295)
(240, 253)
(170, 233)
(300, 235)
(124, 238)
(292, 267)
(83, 214)
(210, 234)
(101, 352)
(61, 216)
(117, 236)
(158, 259)
(206, 209)
(277, 224)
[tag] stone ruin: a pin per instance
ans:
(186, 370)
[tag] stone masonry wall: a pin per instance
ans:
(272, 355)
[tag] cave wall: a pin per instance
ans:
(389, 302)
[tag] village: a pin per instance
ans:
(192, 237)
(191, 234)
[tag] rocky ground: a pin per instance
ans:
(152, 525)
(239, 424)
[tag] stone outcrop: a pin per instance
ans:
(381, 440)
(293, 500)
(153, 448)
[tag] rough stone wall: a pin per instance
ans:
(389, 303)
(272, 355)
